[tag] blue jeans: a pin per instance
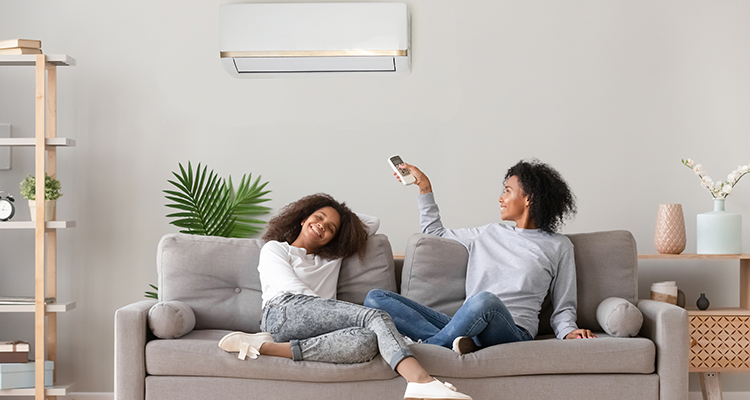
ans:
(482, 317)
(332, 331)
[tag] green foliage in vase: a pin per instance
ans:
(209, 205)
(51, 188)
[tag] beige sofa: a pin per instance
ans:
(216, 280)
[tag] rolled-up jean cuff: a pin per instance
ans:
(296, 350)
(398, 357)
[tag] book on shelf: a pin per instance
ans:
(20, 50)
(25, 43)
(4, 300)
(14, 351)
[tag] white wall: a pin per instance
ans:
(611, 93)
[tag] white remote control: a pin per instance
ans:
(406, 177)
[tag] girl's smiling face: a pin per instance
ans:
(318, 229)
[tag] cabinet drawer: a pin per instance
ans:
(719, 343)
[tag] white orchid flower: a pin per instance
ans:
(718, 189)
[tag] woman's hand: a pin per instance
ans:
(580, 334)
(421, 179)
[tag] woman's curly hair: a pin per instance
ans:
(351, 237)
(551, 202)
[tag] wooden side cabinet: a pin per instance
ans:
(719, 337)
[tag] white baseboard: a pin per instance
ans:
(725, 395)
(88, 396)
(111, 396)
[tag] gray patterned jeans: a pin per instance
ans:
(332, 331)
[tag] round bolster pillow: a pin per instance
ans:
(171, 319)
(619, 317)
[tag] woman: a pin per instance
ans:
(511, 268)
(301, 319)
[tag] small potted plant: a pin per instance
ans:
(51, 194)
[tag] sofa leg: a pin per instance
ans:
(711, 386)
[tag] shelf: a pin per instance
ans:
(45, 233)
(50, 308)
(57, 142)
(57, 390)
(693, 256)
(60, 60)
(720, 311)
(32, 225)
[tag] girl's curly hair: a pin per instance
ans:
(351, 237)
(551, 202)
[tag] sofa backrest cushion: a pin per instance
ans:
(434, 273)
(606, 266)
(375, 271)
(218, 277)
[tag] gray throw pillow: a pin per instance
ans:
(171, 319)
(619, 317)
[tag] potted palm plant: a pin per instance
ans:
(51, 194)
(209, 205)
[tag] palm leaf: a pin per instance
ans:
(208, 205)
(243, 207)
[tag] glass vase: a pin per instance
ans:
(718, 231)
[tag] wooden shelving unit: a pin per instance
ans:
(719, 336)
(45, 143)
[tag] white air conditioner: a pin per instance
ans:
(279, 39)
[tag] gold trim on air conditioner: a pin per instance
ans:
(314, 53)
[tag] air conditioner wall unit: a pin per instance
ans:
(282, 39)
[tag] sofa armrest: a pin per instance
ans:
(668, 327)
(131, 335)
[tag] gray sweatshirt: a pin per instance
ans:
(518, 265)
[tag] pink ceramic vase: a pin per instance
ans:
(669, 237)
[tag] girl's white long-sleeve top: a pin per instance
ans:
(284, 268)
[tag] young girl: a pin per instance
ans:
(301, 320)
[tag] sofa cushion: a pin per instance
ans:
(542, 357)
(171, 319)
(619, 317)
(375, 271)
(197, 354)
(434, 273)
(218, 277)
(606, 266)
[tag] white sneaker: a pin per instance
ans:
(248, 344)
(464, 345)
(434, 390)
